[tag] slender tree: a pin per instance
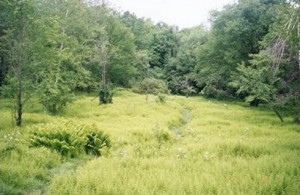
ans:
(17, 40)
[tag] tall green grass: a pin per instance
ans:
(185, 146)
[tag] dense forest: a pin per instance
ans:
(50, 49)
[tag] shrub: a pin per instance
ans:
(54, 97)
(151, 86)
(161, 98)
(106, 94)
(211, 91)
(161, 135)
(69, 139)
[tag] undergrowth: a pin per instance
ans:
(184, 146)
(69, 139)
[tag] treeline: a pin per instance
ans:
(51, 48)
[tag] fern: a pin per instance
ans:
(71, 141)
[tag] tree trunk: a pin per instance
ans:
(3, 62)
(104, 91)
(18, 69)
(3, 68)
(19, 102)
(278, 114)
(104, 61)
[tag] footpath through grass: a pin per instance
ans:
(185, 146)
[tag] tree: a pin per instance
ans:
(16, 45)
(163, 46)
(122, 69)
(59, 53)
(236, 32)
(255, 82)
(105, 91)
(144, 66)
(180, 71)
(142, 28)
(3, 50)
(283, 43)
(273, 75)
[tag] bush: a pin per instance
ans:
(211, 91)
(106, 94)
(69, 140)
(161, 98)
(54, 97)
(161, 135)
(151, 86)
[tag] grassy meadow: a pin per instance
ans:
(184, 146)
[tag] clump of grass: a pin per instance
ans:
(161, 98)
(162, 136)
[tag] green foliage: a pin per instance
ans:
(236, 32)
(54, 96)
(142, 29)
(95, 142)
(163, 46)
(161, 98)
(69, 140)
(255, 81)
(151, 86)
(18, 162)
(180, 72)
(213, 91)
(106, 94)
(162, 136)
(188, 91)
(297, 118)
(218, 142)
(11, 142)
(122, 61)
(59, 141)
(50, 48)
(242, 150)
(225, 142)
(282, 42)
(178, 126)
(76, 45)
(110, 46)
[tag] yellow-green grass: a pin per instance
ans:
(185, 146)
